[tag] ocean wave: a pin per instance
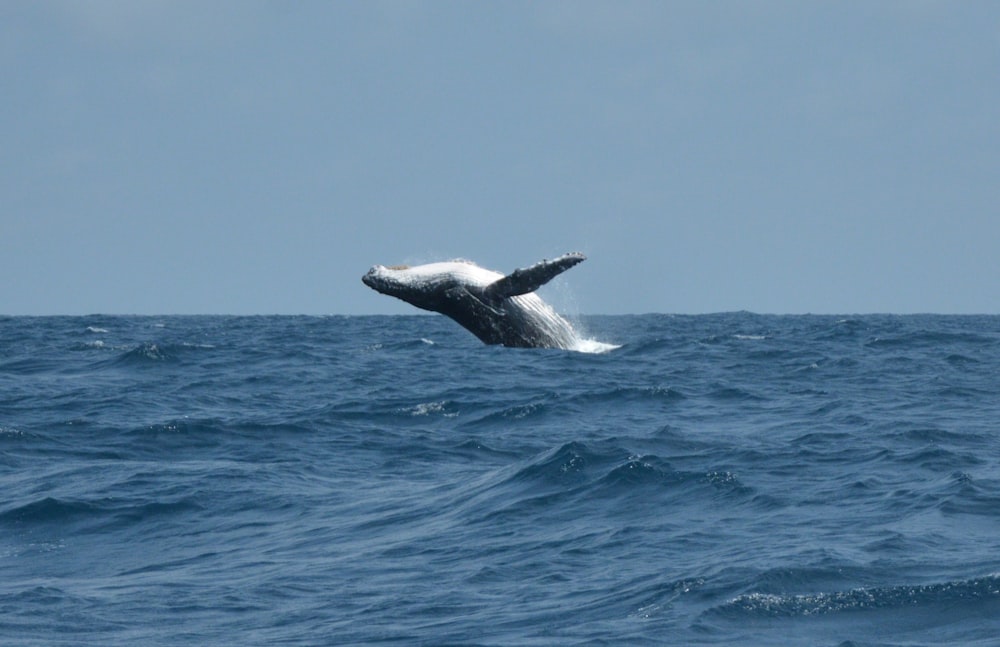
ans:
(918, 339)
(155, 353)
(402, 345)
(639, 471)
(624, 395)
(611, 470)
(136, 355)
(927, 596)
(51, 510)
(725, 392)
(48, 509)
(647, 347)
(571, 461)
(430, 408)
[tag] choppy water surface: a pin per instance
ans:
(722, 479)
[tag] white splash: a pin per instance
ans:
(593, 346)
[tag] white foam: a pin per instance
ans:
(428, 408)
(593, 346)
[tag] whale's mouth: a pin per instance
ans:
(380, 279)
(384, 278)
(372, 279)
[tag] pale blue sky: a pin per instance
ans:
(241, 157)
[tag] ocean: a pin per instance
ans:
(729, 479)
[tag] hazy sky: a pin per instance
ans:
(166, 157)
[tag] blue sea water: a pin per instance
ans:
(731, 479)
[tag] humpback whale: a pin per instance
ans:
(497, 309)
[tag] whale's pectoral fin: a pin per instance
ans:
(529, 279)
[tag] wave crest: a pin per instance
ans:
(861, 599)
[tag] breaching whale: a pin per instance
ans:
(495, 308)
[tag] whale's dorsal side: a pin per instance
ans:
(529, 279)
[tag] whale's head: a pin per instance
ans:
(421, 285)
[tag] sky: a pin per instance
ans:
(249, 157)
